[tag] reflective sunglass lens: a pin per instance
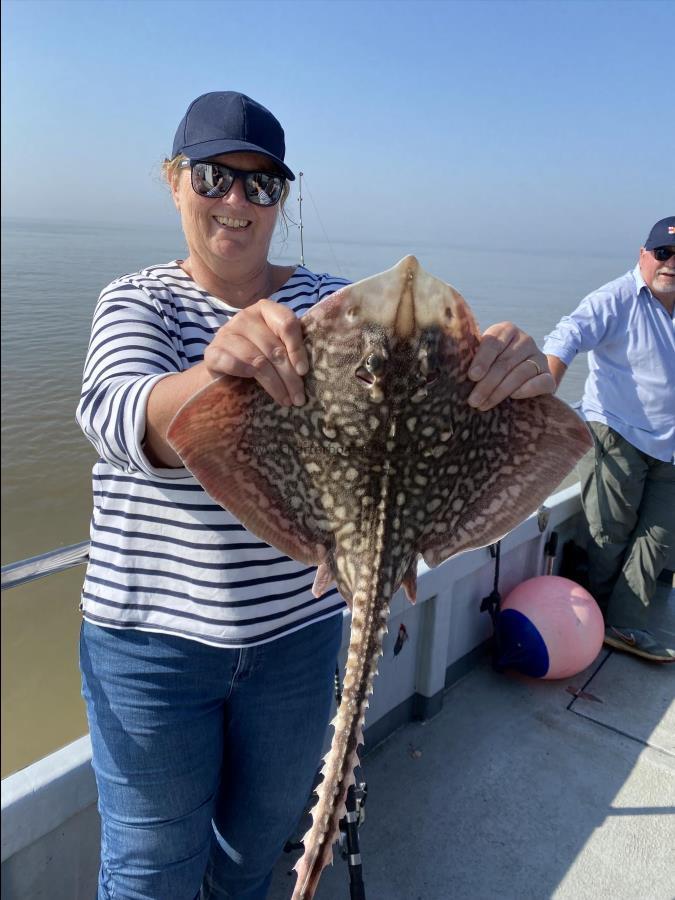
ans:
(263, 189)
(663, 253)
(210, 180)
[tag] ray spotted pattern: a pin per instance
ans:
(385, 462)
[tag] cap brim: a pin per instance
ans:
(209, 149)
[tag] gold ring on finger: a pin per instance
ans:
(534, 363)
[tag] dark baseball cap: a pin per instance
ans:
(662, 234)
(229, 122)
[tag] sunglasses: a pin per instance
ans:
(663, 253)
(210, 179)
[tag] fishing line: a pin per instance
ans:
(335, 259)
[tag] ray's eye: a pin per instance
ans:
(373, 365)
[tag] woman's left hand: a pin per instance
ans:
(508, 363)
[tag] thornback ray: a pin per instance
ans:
(385, 462)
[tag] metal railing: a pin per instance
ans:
(18, 573)
(49, 563)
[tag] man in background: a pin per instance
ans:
(628, 482)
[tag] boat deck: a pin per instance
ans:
(519, 789)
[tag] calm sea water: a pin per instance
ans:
(52, 274)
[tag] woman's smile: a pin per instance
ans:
(231, 224)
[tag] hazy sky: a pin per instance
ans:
(503, 124)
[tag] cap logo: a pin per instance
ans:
(671, 229)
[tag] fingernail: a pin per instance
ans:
(475, 372)
(299, 399)
(301, 368)
(474, 401)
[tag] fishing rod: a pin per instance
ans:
(350, 822)
(302, 246)
(301, 225)
(349, 839)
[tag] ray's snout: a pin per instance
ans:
(402, 301)
(399, 300)
(424, 301)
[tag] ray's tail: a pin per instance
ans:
(369, 617)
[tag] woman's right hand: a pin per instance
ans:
(263, 341)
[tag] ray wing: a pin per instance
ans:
(235, 441)
(503, 465)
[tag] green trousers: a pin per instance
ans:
(629, 502)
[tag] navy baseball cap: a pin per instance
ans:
(662, 234)
(229, 122)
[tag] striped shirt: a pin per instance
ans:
(164, 556)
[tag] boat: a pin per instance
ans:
(481, 785)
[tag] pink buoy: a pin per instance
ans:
(549, 627)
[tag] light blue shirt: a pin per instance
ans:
(630, 339)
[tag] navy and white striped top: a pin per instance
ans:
(164, 556)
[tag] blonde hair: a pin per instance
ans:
(171, 168)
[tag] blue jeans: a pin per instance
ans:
(204, 757)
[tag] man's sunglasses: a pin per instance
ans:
(210, 179)
(663, 253)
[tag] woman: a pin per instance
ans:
(206, 662)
